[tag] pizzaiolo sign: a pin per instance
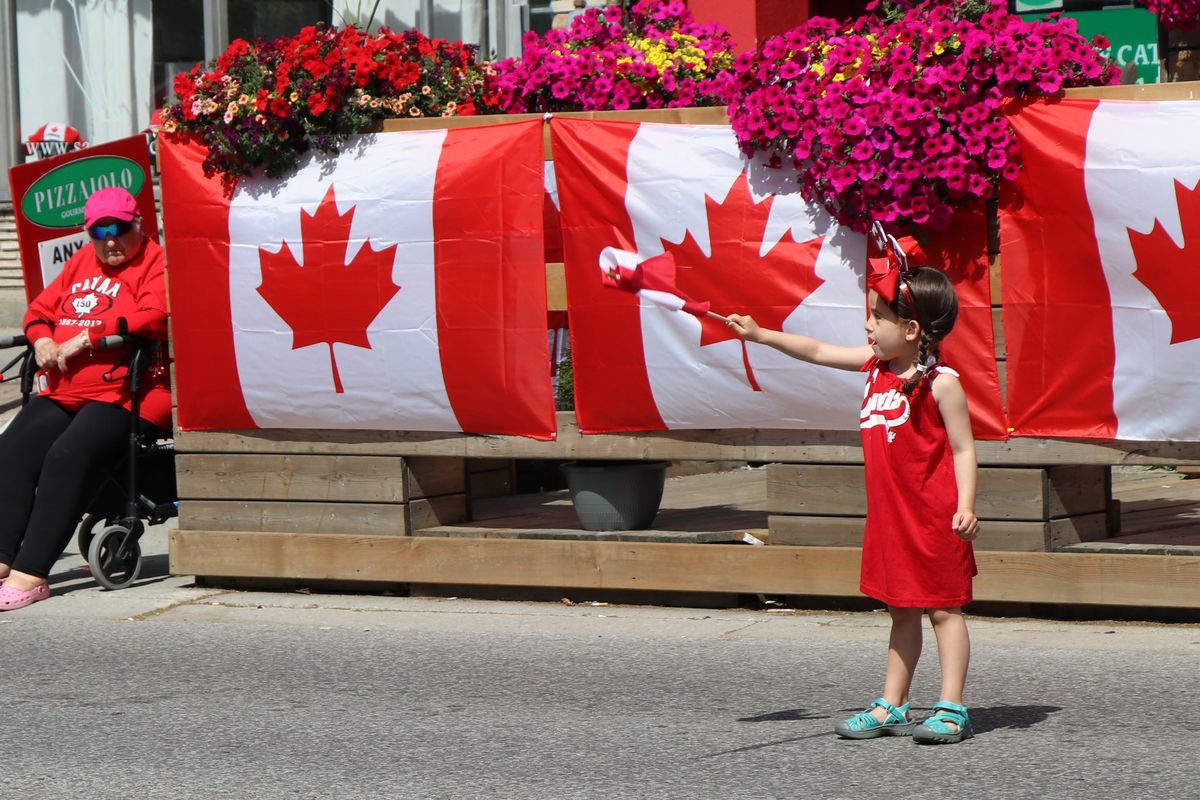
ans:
(56, 199)
(49, 194)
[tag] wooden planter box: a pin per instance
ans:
(344, 505)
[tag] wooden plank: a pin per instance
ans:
(1083, 489)
(556, 287)
(1069, 531)
(260, 515)
(998, 339)
(827, 447)
(427, 476)
(994, 273)
(497, 483)
(1003, 492)
(362, 479)
(1088, 578)
(795, 530)
(430, 512)
(686, 116)
(1183, 90)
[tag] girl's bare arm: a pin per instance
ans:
(952, 403)
(805, 348)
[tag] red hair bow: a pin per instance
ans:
(888, 261)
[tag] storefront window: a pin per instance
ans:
(1183, 56)
(178, 42)
(250, 19)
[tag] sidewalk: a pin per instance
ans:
(160, 597)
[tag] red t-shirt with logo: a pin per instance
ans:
(911, 555)
(89, 294)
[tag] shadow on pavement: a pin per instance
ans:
(787, 715)
(154, 570)
(995, 718)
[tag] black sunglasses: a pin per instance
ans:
(114, 229)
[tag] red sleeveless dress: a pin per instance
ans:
(911, 555)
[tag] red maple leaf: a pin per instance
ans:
(328, 300)
(1167, 270)
(736, 278)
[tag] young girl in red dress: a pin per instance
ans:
(919, 455)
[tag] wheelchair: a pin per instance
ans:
(137, 490)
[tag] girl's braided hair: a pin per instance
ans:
(930, 301)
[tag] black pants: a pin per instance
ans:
(50, 462)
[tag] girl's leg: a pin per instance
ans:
(23, 447)
(954, 651)
(904, 650)
(67, 485)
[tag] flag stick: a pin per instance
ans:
(715, 315)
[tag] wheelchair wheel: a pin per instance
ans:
(87, 532)
(115, 566)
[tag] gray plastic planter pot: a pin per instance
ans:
(616, 495)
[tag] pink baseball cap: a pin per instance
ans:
(112, 202)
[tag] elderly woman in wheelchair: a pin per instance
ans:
(54, 452)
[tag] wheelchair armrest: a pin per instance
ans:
(116, 340)
(15, 340)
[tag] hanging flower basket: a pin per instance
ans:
(897, 116)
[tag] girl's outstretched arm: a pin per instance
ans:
(952, 403)
(804, 348)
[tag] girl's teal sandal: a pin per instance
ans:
(865, 726)
(935, 729)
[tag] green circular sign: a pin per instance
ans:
(56, 199)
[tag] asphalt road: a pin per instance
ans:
(164, 690)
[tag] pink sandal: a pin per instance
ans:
(15, 598)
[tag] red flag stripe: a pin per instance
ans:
(619, 360)
(206, 377)
(477, 210)
(1056, 301)
(961, 251)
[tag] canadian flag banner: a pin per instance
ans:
(398, 286)
(742, 240)
(1099, 257)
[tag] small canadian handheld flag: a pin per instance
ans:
(652, 280)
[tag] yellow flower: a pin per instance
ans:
(294, 96)
(819, 69)
(939, 48)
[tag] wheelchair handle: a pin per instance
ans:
(15, 340)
